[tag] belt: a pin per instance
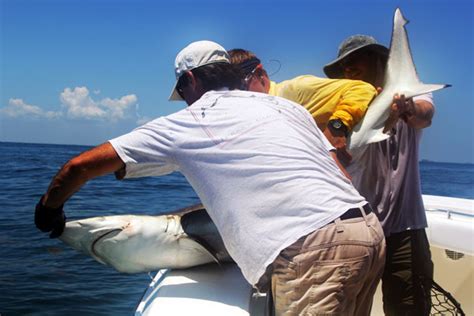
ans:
(355, 212)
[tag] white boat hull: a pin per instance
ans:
(221, 290)
(200, 291)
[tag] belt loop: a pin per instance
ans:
(364, 215)
(339, 225)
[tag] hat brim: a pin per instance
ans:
(174, 96)
(334, 71)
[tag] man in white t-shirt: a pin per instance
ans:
(387, 175)
(268, 178)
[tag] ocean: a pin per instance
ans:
(42, 276)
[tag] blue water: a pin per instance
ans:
(40, 276)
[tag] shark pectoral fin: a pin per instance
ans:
(422, 88)
(370, 136)
(193, 253)
(378, 137)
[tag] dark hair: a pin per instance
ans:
(215, 76)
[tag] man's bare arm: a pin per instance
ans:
(417, 114)
(339, 164)
(420, 115)
(339, 141)
(98, 161)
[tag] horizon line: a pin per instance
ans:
(62, 144)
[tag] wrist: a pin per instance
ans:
(336, 126)
(50, 208)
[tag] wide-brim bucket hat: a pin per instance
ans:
(349, 46)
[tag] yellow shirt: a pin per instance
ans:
(328, 99)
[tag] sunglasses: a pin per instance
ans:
(182, 82)
(355, 57)
(251, 74)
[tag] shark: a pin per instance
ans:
(188, 237)
(141, 243)
(400, 77)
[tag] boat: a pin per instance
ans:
(214, 289)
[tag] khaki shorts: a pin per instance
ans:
(332, 271)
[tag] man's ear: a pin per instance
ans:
(194, 88)
(191, 79)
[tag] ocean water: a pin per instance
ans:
(41, 276)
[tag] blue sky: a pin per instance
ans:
(82, 72)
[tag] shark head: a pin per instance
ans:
(133, 244)
(86, 234)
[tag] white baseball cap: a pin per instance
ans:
(195, 55)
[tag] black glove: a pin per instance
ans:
(50, 219)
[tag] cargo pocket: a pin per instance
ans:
(284, 283)
(332, 286)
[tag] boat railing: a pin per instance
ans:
(156, 280)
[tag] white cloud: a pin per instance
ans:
(18, 108)
(116, 108)
(79, 104)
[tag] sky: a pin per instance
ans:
(83, 72)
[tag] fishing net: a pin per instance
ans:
(442, 302)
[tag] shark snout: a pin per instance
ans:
(82, 235)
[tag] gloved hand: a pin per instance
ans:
(50, 219)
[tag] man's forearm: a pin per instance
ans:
(67, 181)
(421, 116)
(76, 172)
(339, 164)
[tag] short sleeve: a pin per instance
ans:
(147, 150)
(428, 97)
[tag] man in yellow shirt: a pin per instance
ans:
(337, 105)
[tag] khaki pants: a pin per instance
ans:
(332, 271)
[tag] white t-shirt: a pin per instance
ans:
(258, 163)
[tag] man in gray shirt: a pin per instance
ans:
(387, 175)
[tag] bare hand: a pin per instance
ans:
(401, 108)
(339, 141)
